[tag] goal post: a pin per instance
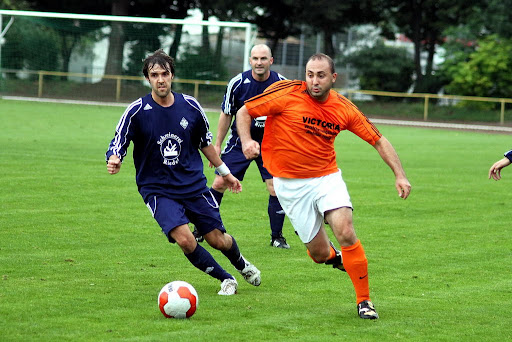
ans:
(97, 46)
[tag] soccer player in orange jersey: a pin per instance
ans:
(303, 119)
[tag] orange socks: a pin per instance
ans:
(356, 265)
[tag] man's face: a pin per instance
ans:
(160, 80)
(319, 79)
(260, 62)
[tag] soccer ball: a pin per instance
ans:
(178, 299)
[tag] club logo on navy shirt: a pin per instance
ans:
(170, 148)
(184, 123)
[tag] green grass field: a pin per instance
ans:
(81, 258)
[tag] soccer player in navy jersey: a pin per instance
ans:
(240, 88)
(167, 130)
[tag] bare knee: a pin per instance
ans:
(218, 240)
(320, 255)
(187, 242)
(342, 226)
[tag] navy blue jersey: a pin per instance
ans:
(508, 154)
(240, 88)
(166, 143)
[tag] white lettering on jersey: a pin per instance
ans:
(170, 148)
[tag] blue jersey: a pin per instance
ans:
(240, 88)
(166, 143)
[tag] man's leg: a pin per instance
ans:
(276, 217)
(228, 246)
(196, 254)
(354, 258)
(218, 188)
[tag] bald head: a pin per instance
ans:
(261, 48)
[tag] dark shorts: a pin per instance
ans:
(238, 164)
(202, 211)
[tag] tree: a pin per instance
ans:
(424, 21)
(330, 17)
(382, 67)
(486, 72)
(276, 19)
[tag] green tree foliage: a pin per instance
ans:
(194, 64)
(487, 72)
(21, 39)
(424, 21)
(383, 67)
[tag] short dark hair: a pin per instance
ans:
(323, 56)
(159, 57)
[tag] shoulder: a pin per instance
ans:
(134, 107)
(190, 101)
(194, 106)
(342, 100)
(277, 76)
(237, 79)
(285, 86)
(278, 90)
(234, 83)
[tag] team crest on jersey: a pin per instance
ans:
(170, 148)
(184, 123)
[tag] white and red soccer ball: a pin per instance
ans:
(178, 299)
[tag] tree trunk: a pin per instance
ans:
(173, 50)
(114, 64)
(205, 46)
(416, 38)
(68, 43)
(218, 46)
(328, 45)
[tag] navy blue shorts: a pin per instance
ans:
(234, 158)
(202, 211)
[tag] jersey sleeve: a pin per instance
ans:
(508, 155)
(228, 104)
(203, 130)
(273, 100)
(359, 124)
(124, 131)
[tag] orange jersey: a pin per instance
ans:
(299, 133)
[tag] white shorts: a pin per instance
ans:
(305, 201)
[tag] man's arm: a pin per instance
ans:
(495, 170)
(389, 155)
(250, 147)
(222, 131)
(231, 181)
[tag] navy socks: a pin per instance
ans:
(276, 216)
(203, 260)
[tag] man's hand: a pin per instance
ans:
(251, 149)
(403, 186)
(233, 183)
(113, 164)
(495, 170)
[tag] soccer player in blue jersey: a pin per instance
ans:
(167, 130)
(240, 88)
